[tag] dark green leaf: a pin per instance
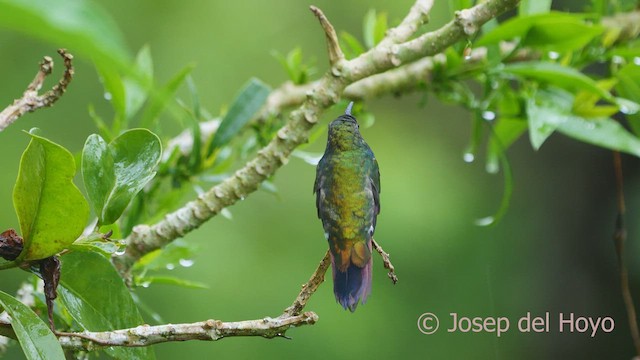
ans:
(114, 173)
(97, 298)
(51, 210)
(35, 337)
(244, 107)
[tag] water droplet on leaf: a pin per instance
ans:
(186, 262)
(468, 157)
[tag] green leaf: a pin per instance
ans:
(374, 28)
(170, 280)
(114, 173)
(137, 88)
(603, 132)
(169, 256)
(551, 31)
(97, 298)
(35, 337)
(51, 210)
(368, 28)
(561, 76)
(629, 86)
(503, 135)
(531, 7)
(160, 99)
(81, 25)
(544, 117)
(351, 46)
(244, 107)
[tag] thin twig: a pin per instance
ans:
(386, 261)
(210, 330)
(30, 100)
(310, 287)
(333, 46)
(619, 238)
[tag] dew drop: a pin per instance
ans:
(488, 115)
(170, 266)
(145, 284)
(120, 251)
(492, 167)
(186, 262)
(108, 96)
(636, 61)
(468, 157)
(617, 59)
(485, 221)
(625, 110)
(553, 55)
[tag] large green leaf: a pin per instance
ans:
(81, 25)
(97, 298)
(35, 337)
(555, 112)
(51, 210)
(114, 173)
(246, 104)
(551, 31)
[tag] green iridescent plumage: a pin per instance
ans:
(347, 191)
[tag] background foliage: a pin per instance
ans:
(552, 251)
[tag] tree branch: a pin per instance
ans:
(324, 93)
(333, 46)
(386, 261)
(310, 287)
(30, 100)
(210, 330)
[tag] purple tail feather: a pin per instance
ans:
(353, 285)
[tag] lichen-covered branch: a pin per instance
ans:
(30, 100)
(324, 93)
(386, 261)
(310, 287)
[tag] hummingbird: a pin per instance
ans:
(347, 189)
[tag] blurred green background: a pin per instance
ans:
(552, 252)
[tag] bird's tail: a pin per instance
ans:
(352, 275)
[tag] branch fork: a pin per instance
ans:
(30, 100)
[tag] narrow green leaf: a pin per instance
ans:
(35, 337)
(244, 107)
(114, 92)
(531, 7)
(114, 173)
(137, 87)
(160, 100)
(171, 280)
(543, 118)
(380, 28)
(351, 45)
(368, 28)
(51, 210)
(195, 158)
(170, 256)
(97, 298)
(503, 135)
(556, 74)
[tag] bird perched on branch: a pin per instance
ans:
(347, 189)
